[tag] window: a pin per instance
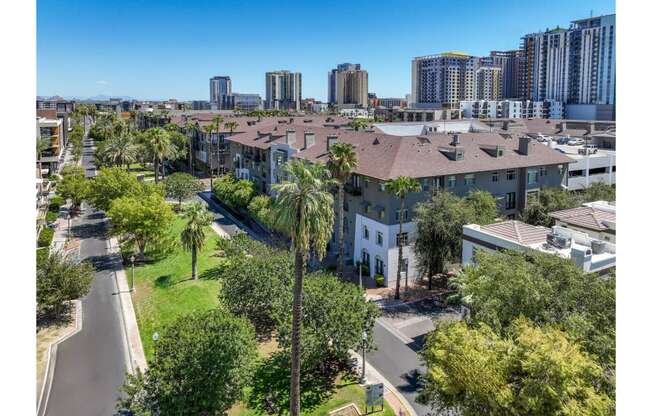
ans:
(499, 152)
(381, 213)
(511, 175)
(469, 179)
(494, 177)
(574, 173)
(380, 266)
(532, 176)
(365, 257)
(543, 171)
(598, 171)
(366, 183)
(425, 185)
(561, 170)
(613, 168)
(379, 238)
(510, 200)
(381, 187)
(401, 239)
(367, 207)
(365, 232)
(450, 181)
(397, 215)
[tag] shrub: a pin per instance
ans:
(51, 216)
(380, 280)
(56, 203)
(234, 192)
(45, 237)
(59, 279)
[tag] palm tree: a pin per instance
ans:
(342, 160)
(217, 120)
(208, 130)
(303, 208)
(193, 235)
(120, 150)
(158, 140)
(189, 126)
(359, 123)
(400, 187)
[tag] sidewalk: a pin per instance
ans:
(134, 344)
(396, 401)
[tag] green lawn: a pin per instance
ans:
(138, 169)
(165, 291)
(345, 394)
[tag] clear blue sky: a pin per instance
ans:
(169, 49)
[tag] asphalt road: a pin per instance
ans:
(91, 365)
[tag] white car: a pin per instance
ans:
(575, 142)
(543, 138)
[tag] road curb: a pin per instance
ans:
(41, 404)
(371, 371)
(134, 346)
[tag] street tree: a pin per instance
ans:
(182, 186)
(193, 235)
(158, 141)
(546, 289)
(202, 362)
(439, 224)
(119, 150)
(533, 371)
(342, 161)
(483, 207)
(304, 210)
(59, 279)
(400, 187)
(110, 184)
(73, 186)
(143, 218)
(545, 201)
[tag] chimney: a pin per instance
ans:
(505, 125)
(331, 139)
(308, 139)
(290, 137)
(524, 145)
(291, 120)
(258, 133)
(456, 140)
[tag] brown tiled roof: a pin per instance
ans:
(518, 231)
(585, 217)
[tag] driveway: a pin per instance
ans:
(399, 334)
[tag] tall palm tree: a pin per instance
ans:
(342, 160)
(400, 187)
(304, 209)
(120, 150)
(208, 130)
(158, 140)
(217, 120)
(189, 127)
(193, 235)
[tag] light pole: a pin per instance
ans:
(68, 233)
(133, 260)
(360, 275)
(363, 376)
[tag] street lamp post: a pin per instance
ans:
(68, 233)
(363, 376)
(360, 275)
(133, 260)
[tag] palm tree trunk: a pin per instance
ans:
(194, 263)
(192, 172)
(219, 164)
(155, 169)
(210, 160)
(400, 253)
(296, 335)
(340, 231)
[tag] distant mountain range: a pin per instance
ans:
(100, 97)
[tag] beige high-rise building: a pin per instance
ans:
(352, 88)
(283, 90)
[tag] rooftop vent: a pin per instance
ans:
(524, 145)
(456, 140)
(558, 241)
(376, 141)
(290, 137)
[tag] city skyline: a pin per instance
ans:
(144, 62)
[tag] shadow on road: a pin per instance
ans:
(413, 379)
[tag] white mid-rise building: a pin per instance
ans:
(512, 109)
(590, 165)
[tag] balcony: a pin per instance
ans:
(351, 190)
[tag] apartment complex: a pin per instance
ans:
(446, 79)
(220, 89)
(510, 62)
(348, 85)
(512, 109)
(51, 130)
(575, 65)
(283, 90)
(508, 165)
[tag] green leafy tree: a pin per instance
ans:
(110, 184)
(304, 210)
(359, 123)
(400, 187)
(261, 207)
(439, 223)
(182, 186)
(545, 201)
(201, 364)
(193, 235)
(144, 218)
(598, 191)
(533, 371)
(234, 192)
(483, 205)
(73, 186)
(545, 289)
(342, 161)
(59, 279)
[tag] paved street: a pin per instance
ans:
(90, 366)
(399, 334)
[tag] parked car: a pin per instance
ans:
(575, 142)
(543, 138)
(563, 139)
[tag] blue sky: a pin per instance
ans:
(169, 49)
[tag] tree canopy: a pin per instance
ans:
(533, 371)
(201, 363)
(181, 186)
(110, 184)
(73, 186)
(234, 192)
